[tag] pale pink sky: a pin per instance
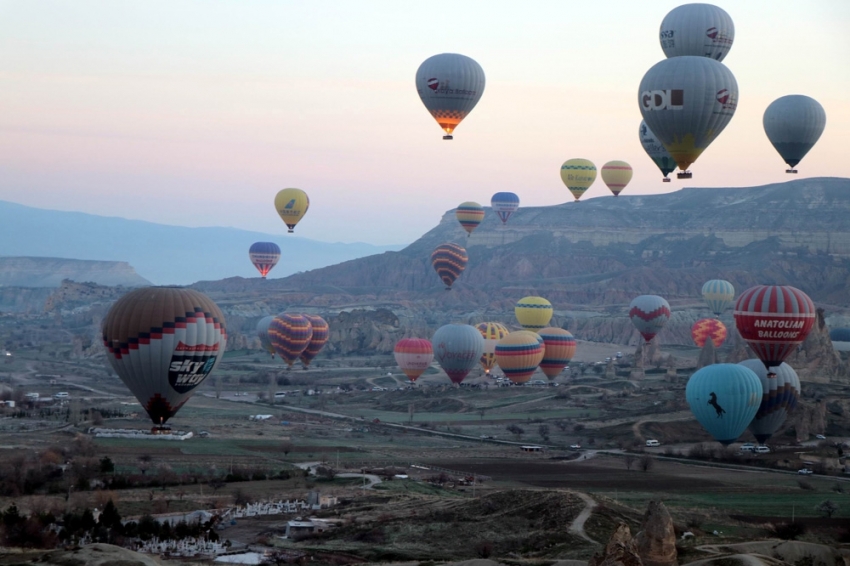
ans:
(197, 113)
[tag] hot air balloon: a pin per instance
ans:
(469, 214)
(457, 348)
(578, 175)
(780, 392)
(413, 356)
(560, 349)
(492, 332)
(163, 342)
(687, 102)
(263, 334)
(321, 333)
(616, 175)
(794, 124)
(449, 261)
(708, 329)
(840, 338)
(701, 30)
(504, 204)
(450, 85)
(290, 335)
(518, 355)
(649, 314)
(718, 295)
(656, 151)
(291, 205)
(724, 398)
(533, 313)
(774, 320)
(264, 256)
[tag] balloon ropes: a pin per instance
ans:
(163, 342)
(449, 85)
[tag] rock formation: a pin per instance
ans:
(51, 272)
(708, 355)
(816, 360)
(621, 550)
(656, 542)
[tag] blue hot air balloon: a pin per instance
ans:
(724, 398)
(504, 204)
(780, 392)
(457, 348)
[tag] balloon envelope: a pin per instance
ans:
(560, 347)
(449, 85)
(504, 204)
(518, 355)
(321, 333)
(774, 320)
(708, 329)
(840, 338)
(724, 398)
(163, 342)
(616, 175)
(449, 260)
(291, 205)
(290, 335)
(578, 175)
(649, 314)
(656, 150)
(718, 295)
(264, 256)
(794, 124)
(457, 348)
(687, 102)
(413, 356)
(263, 334)
(701, 30)
(469, 214)
(780, 394)
(533, 313)
(492, 332)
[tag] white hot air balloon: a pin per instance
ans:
(701, 30)
(686, 102)
(450, 85)
(793, 124)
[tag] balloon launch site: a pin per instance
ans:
(634, 379)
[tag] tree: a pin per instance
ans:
(629, 460)
(646, 462)
(110, 517)
(286, 447)
(827, 508)
(144, 463)
(107, 466)
(516, 430)
(543, 431)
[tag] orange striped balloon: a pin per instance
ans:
(708, 328)
(321, 333)
(560, 349)
(518, 354)
(290, 335)
(413, 356)
(449, 261)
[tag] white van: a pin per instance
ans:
(61, 395)
(652, 443)
(762, 449)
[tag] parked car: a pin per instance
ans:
(61, 395)
(652, 443)
(748, 447)
(575, 446)
(805, 472)
(762, 449)
(820, 437)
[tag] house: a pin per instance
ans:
(531, 448)
(299, 527)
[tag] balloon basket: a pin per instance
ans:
(684, 175)
(665, 180)
(448, 137)
(793, 171)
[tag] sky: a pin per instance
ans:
(195, 113)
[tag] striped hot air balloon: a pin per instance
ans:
(533, 313)
(578, 175)
(718, 295)
(163, 342)
(518, 355)
(413, 356)
(649, 314)
(616, 175)
(724, 398)
(492, 333)
(449, 260)
(321, 333)
(560, 349)
(290, 335)
(264, 256)
(263, 334)
(469, 214)
(457, 348)
(708, 329)
(504, 204)
(774, 320)
(780, 393)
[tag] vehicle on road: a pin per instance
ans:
(805, 472)
(575, 446)
(748, 447)
(652, 443)
(820, 437)
(762, 449)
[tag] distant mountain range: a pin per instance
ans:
(160, 253)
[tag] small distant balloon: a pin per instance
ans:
(291, 205)
(707, 329)
(616, 175)
(264, 256)
(449, 260)
(469, 214)
(504, 205)
(578, 175)
(718, 295)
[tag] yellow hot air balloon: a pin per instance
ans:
(291, 205)
(578, 175)
(533, 313)
(616, 174)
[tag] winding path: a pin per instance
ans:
(577, 526)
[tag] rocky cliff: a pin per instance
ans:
(50, 272)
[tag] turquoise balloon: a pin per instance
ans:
(724, 398)
(457, 348)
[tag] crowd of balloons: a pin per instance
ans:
(163, 342)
